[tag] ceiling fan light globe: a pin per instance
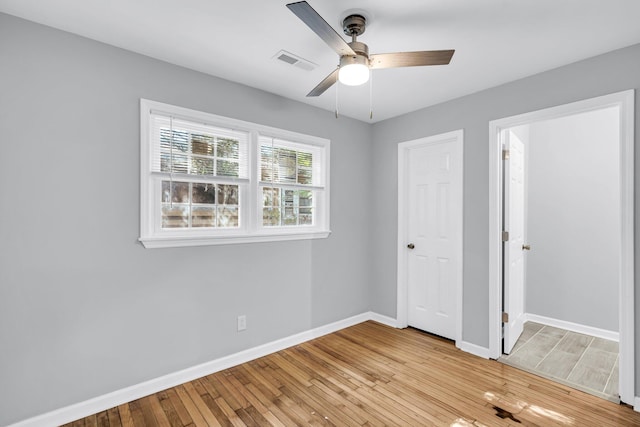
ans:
(353, 74)
(354, 70)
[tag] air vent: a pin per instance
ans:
(296, 61)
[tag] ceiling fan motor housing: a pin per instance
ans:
(360, 48)
(351, 60)
(354, 25)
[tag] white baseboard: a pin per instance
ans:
(385, 320)
(570, 326)
(636, 404)
(473, 349)
(118, 397)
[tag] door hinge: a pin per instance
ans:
(505, 154)
(505, 317)
(505, 236)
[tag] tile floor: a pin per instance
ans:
(581, 361)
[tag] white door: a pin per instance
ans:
(514, 175)
(434, 234)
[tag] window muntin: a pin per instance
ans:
(208, 179)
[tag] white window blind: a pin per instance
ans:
(183, 147)
(289, 163)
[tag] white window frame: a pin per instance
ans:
(250, 200)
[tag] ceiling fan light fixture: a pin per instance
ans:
(354, 70)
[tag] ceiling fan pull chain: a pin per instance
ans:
(337, 86)
(371, 95)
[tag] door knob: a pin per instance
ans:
(411, 246)
(526, 247)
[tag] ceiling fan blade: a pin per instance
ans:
(325, 84)
(319, 26)
(411, 59)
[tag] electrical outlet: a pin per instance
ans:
(242, 323)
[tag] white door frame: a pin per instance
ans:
(625, 102)
(457, 138)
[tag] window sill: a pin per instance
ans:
(186, 241)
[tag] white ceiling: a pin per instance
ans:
(496, 41)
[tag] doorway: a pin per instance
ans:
(430, 234)
(623, 105)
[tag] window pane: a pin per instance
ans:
(227, 194)
(165, 162)
(286, 170)
(176, 216)
(305, 198)
(177, 192)
(305, 216)
(202, 144)
(203, 193)
(288, 198)
(227, 168)
(228, 149)
(179, 139)
(266, 163)
(179, 163)
(201, 166)
(305, 176)
(203, 217)
(305, 159)
(270, 217)
(227, 216)
(271, 197)
(290, 216)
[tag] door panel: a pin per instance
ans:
(514, 175)
(434, 265)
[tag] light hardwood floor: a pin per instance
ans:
(369, 375)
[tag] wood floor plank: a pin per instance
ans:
(274, 410)
(252, 395)
(158, 411)
(137, 417)
(176, 402)
(230, 413)
(91, 421)
(369, 375)
(170, 411)
(259, 379)
(102, 419)
(114, 417)
(227, 391)
(216, 411)
(202, 407)
(125, 416)
(190, 406)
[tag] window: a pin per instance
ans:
(289, 173)
(207, 179)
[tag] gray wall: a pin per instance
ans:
(84, 308)
(612, 72)
(573, 219)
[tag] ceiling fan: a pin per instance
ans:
(355, 61)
